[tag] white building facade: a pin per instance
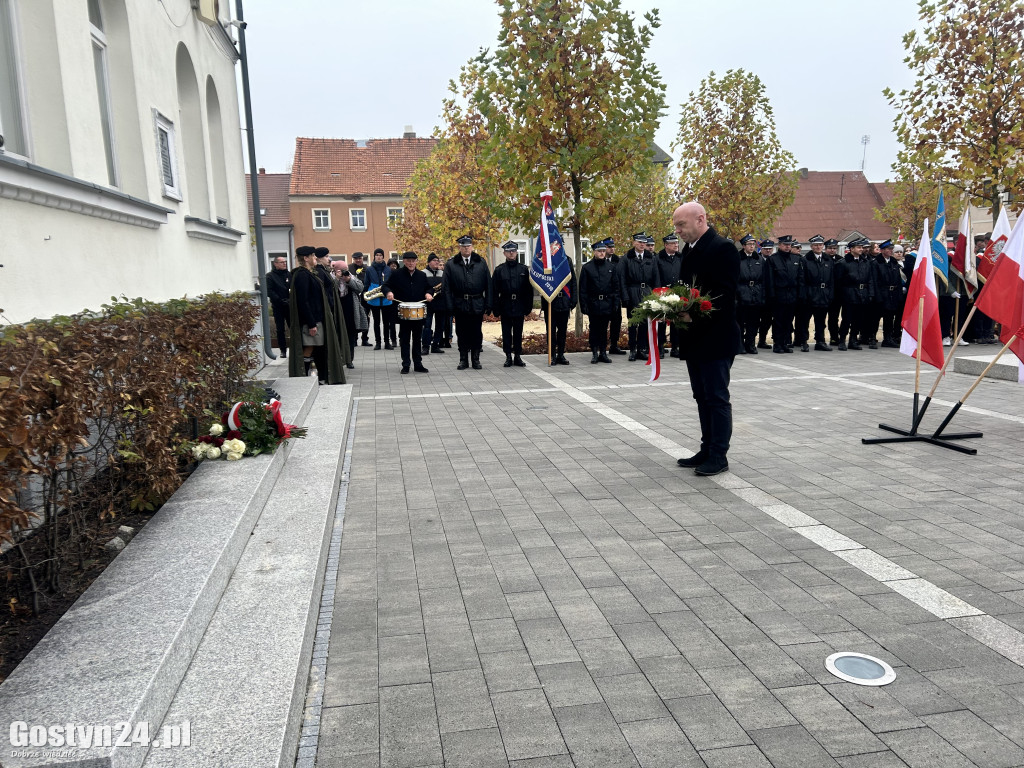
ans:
(121, 168)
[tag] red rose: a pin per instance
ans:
(234, 434)
(694, 292)
(660, 291)
(218, 441)
(205, 439)
(705, 305)
(224, 418)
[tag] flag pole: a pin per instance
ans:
(917, 365)
(977, 381)
(548, 313)
(945, 365)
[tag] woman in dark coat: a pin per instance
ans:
(312, 325)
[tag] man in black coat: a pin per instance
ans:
(711, 263)
(512, 302)
(818, 291)
(278, 284)
(466, 287)
(750, 292)
(888, 297)
(855, 281)
(561, 306)
(615, 323)
(785, 290)
(668, 272)
(599, 299)
(836, 307)
(765, 323)
(409, 285)
(638, 277)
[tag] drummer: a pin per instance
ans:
(411, 288)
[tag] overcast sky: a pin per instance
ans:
(366, 70)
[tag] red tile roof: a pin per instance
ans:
(273, 198)
(348, 167)
(834, 203)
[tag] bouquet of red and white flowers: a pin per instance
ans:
(676, 305)
(246, 429)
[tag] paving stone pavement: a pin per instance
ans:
(526, 578)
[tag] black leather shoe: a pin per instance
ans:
(388, 345)
(822, 347)
(377, 345)
(508, 361)
(842, 346)
(284, 354)
(804, 348)
(476, 361)
(675, 352)
(752, 349)
(436, 349)
(694, 461)
(425, 349)
(855, 346)
(561, 360)
(405, 369)
(603, 358)
(350, 366)
(517, 361)
(463, 363)
(593, 357)
(873, 345)
(419, 368)
(616, 351)
(778, 350)
(712, 467)
(632, 355)
(788, 350)
(763, 345)
(366, 343)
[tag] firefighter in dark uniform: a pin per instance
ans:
(512, 302)
(410, 284)
(638, 277)
(836, 307)
(819, 291)
(615, 323)
(750, 292)
(784, 292)
(668, 270)
(765, 322)
(466, 286)
(599, 299)
(560, 307)
(888, 296)
(854, 281)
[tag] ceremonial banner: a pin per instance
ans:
(963, 261)
(940, 257)
(987, 260)
(1002, 298)
(550, 271)
(922, 285)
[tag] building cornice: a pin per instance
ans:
(202, 229)
(346, 198)
(30, 183)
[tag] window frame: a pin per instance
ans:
(351, 220)
(98, 39)
(395, 219)
(326, 215)
(9, 12)
(523, 252)
(162, 124)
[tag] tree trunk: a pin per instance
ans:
(577, 239)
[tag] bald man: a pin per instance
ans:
(711, 263)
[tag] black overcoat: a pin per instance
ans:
(713, 266)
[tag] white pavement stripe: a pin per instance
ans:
(937, 601)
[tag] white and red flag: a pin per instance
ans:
(922, 285)
(1002, 298)
(653, 353)
(1000, 233)
(963, 260)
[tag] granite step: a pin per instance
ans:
(244, 693)
(120, 653)
(973, 365)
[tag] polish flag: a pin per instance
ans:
(987, 260)
(963, 261)
(922, 285)
(653, 353)
(1003, 296)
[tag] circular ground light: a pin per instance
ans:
(859, 668)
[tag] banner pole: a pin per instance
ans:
(548, 313)
(977, 381)
(917, 364)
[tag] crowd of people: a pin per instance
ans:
(831, 300)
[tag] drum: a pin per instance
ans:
(412, 310)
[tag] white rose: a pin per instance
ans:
(670, 298)
(233, 455)
(199, 452)
(216, 430)
(233, 446)
(213, 452)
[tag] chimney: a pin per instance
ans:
(803, 173)
(263, 171)
(409, 133)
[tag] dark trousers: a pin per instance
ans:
(637, 333)
(410, 331)
(599, 332)
(890, 323)
(764, 323)
(872, 318)
(803, 324)
(512, 335)
(782, 324)
(614, 328)
(559, 328)
(280, 318)
(853, 319)
(709, 380)
(469, 330)
(981, 326)
(435, 325)
(749, 319)
(947, 308)
(390, 321)
(320, 361)
(378, 314)
(834, 310)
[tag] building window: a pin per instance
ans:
(395, 218)
(12, 115)
(168, 156)
(522, 255)
(321, 219)
(357, 218)
(271, 255)
(99, 63)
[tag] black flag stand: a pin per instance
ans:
(912, 435)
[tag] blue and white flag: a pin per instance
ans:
(550, 271)
(940, 256)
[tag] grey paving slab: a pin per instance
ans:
(408, 727)
(558, 573)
